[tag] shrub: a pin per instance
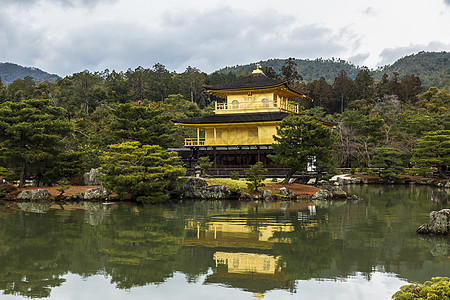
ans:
(234, 175)
(438, 288)
(255, 175)
(5, 189)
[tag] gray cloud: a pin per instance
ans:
(447, 2)
(64, 3)
(390, 55)
(359, 59)
(208, 40)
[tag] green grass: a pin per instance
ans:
(228, 183)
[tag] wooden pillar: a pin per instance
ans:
(259, 158)
(198, 136)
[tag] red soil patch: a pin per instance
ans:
(73, 190)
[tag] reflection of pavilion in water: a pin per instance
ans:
(244, 256)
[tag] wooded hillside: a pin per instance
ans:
(10, 72)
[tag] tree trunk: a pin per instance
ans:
(442, 170)
(22, 174)
(289, 175)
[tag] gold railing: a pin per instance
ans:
(194, 142)
(289, 107)
(284, 106)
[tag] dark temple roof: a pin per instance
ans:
(251, 81)
(240, 118)
(235, 118)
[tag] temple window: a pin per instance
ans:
(235, 104)
(265, 102)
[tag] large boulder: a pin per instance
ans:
(267, 195)
(92, 177)
(95, 194)
(285, 192)
(217, 191)
(193, 187)
(245, 197)
(38, 195)
(322, 195)
(337, 192)
(439, 223)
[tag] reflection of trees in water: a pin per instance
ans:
(137, 246)
(30, 254)
(310, 250)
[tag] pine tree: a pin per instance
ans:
(31, 134)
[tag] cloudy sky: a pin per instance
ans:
(69, 36)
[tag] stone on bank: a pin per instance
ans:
(439, 223)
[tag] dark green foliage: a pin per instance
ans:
(145, 124)
(299, 141)
(289, 71)
(309, 69)
(31, 133)
(6, 188)
(142, 172)
(389, 161)
(436, 289)
(204, 164)
(431, 67)
(255, 176)
(234, 175)
(433, 151)
(68, 165)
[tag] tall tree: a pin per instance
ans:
(161, 82)
(322, 93)
(289, 71)
(138, 83)
(383, 87)
(31, 134)
(411, 87)
(191, 83)
(84, 84)
(364, 84)
(343, 89)
(301, 140)
(146, 124)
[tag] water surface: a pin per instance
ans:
(216, 249)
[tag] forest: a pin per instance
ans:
(51, 130)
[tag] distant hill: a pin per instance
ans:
(309, 69)
(10, 72)
(433, 68)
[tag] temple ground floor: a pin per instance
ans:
(228, 159)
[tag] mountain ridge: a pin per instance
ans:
(11, 71)
(433, 69)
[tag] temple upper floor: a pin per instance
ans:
(254, 102)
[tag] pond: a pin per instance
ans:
(362, 249)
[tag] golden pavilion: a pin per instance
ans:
(240, 132)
